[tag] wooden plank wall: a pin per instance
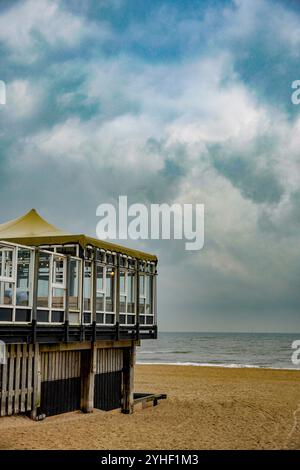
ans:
(109, 360)
(26, 368)
(60, 365)
(17, 380)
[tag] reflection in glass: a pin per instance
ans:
(87, 285)
(58, 270)
(142, 284)
(149, 295)
(58, 298)
(122, 281)
(74, 284)
(6, 293)
(6, 262)
(131, 293)
(110, 283)
(123, 303)
(99, 278)
(23, 277)
(43, 280)
(100, 302)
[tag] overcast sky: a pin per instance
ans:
(165, 101)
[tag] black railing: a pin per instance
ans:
(66, 333)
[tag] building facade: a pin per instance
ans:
(72, 311)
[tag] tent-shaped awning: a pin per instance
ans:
(32, 230)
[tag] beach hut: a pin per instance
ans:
(72, 311)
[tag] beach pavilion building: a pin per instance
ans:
(72, 311)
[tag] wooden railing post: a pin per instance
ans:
(128, 379)
(36, 395)
(88, 369)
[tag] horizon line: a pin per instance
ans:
(239, 332)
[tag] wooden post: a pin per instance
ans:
(88, 370)
(36, 398)
(128, 379)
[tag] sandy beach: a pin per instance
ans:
(207, 408)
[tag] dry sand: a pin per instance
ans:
(207, 408)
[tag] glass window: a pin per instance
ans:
(74, 284)
(74, 318)
(6, 262)
(100, 302)
(100, 278)
(142, 305)
(149, 295)
(43, 315)
(57, 317)
(130, 319)
(6, 314)
(87, 317)
(67, 250)
(109, 258)
(122, 281)
(130, 293)
(100, 318)
(23, 315)
(43, 280)
(142, 285)
(87, 285)
(123, 303)
(100, 294)
(58, 270)
(110, 283)
(6, 293)
(23, 277)
(149, 320)
(109, 319)
(58, 298)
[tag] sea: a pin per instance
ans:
(265, 350)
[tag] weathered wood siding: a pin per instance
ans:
(18, 379)
(54, 381)
(109, 360)
(61, 383)
(108, 379)
(60, 365)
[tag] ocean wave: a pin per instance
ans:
(170, 351)
(204, 364)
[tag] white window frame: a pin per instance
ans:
(13, 280)
(54, 285)
(103, 292)
(77, 310)
(125, 294)
(144, 297)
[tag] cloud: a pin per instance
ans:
(172, 106)
(29, 28)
